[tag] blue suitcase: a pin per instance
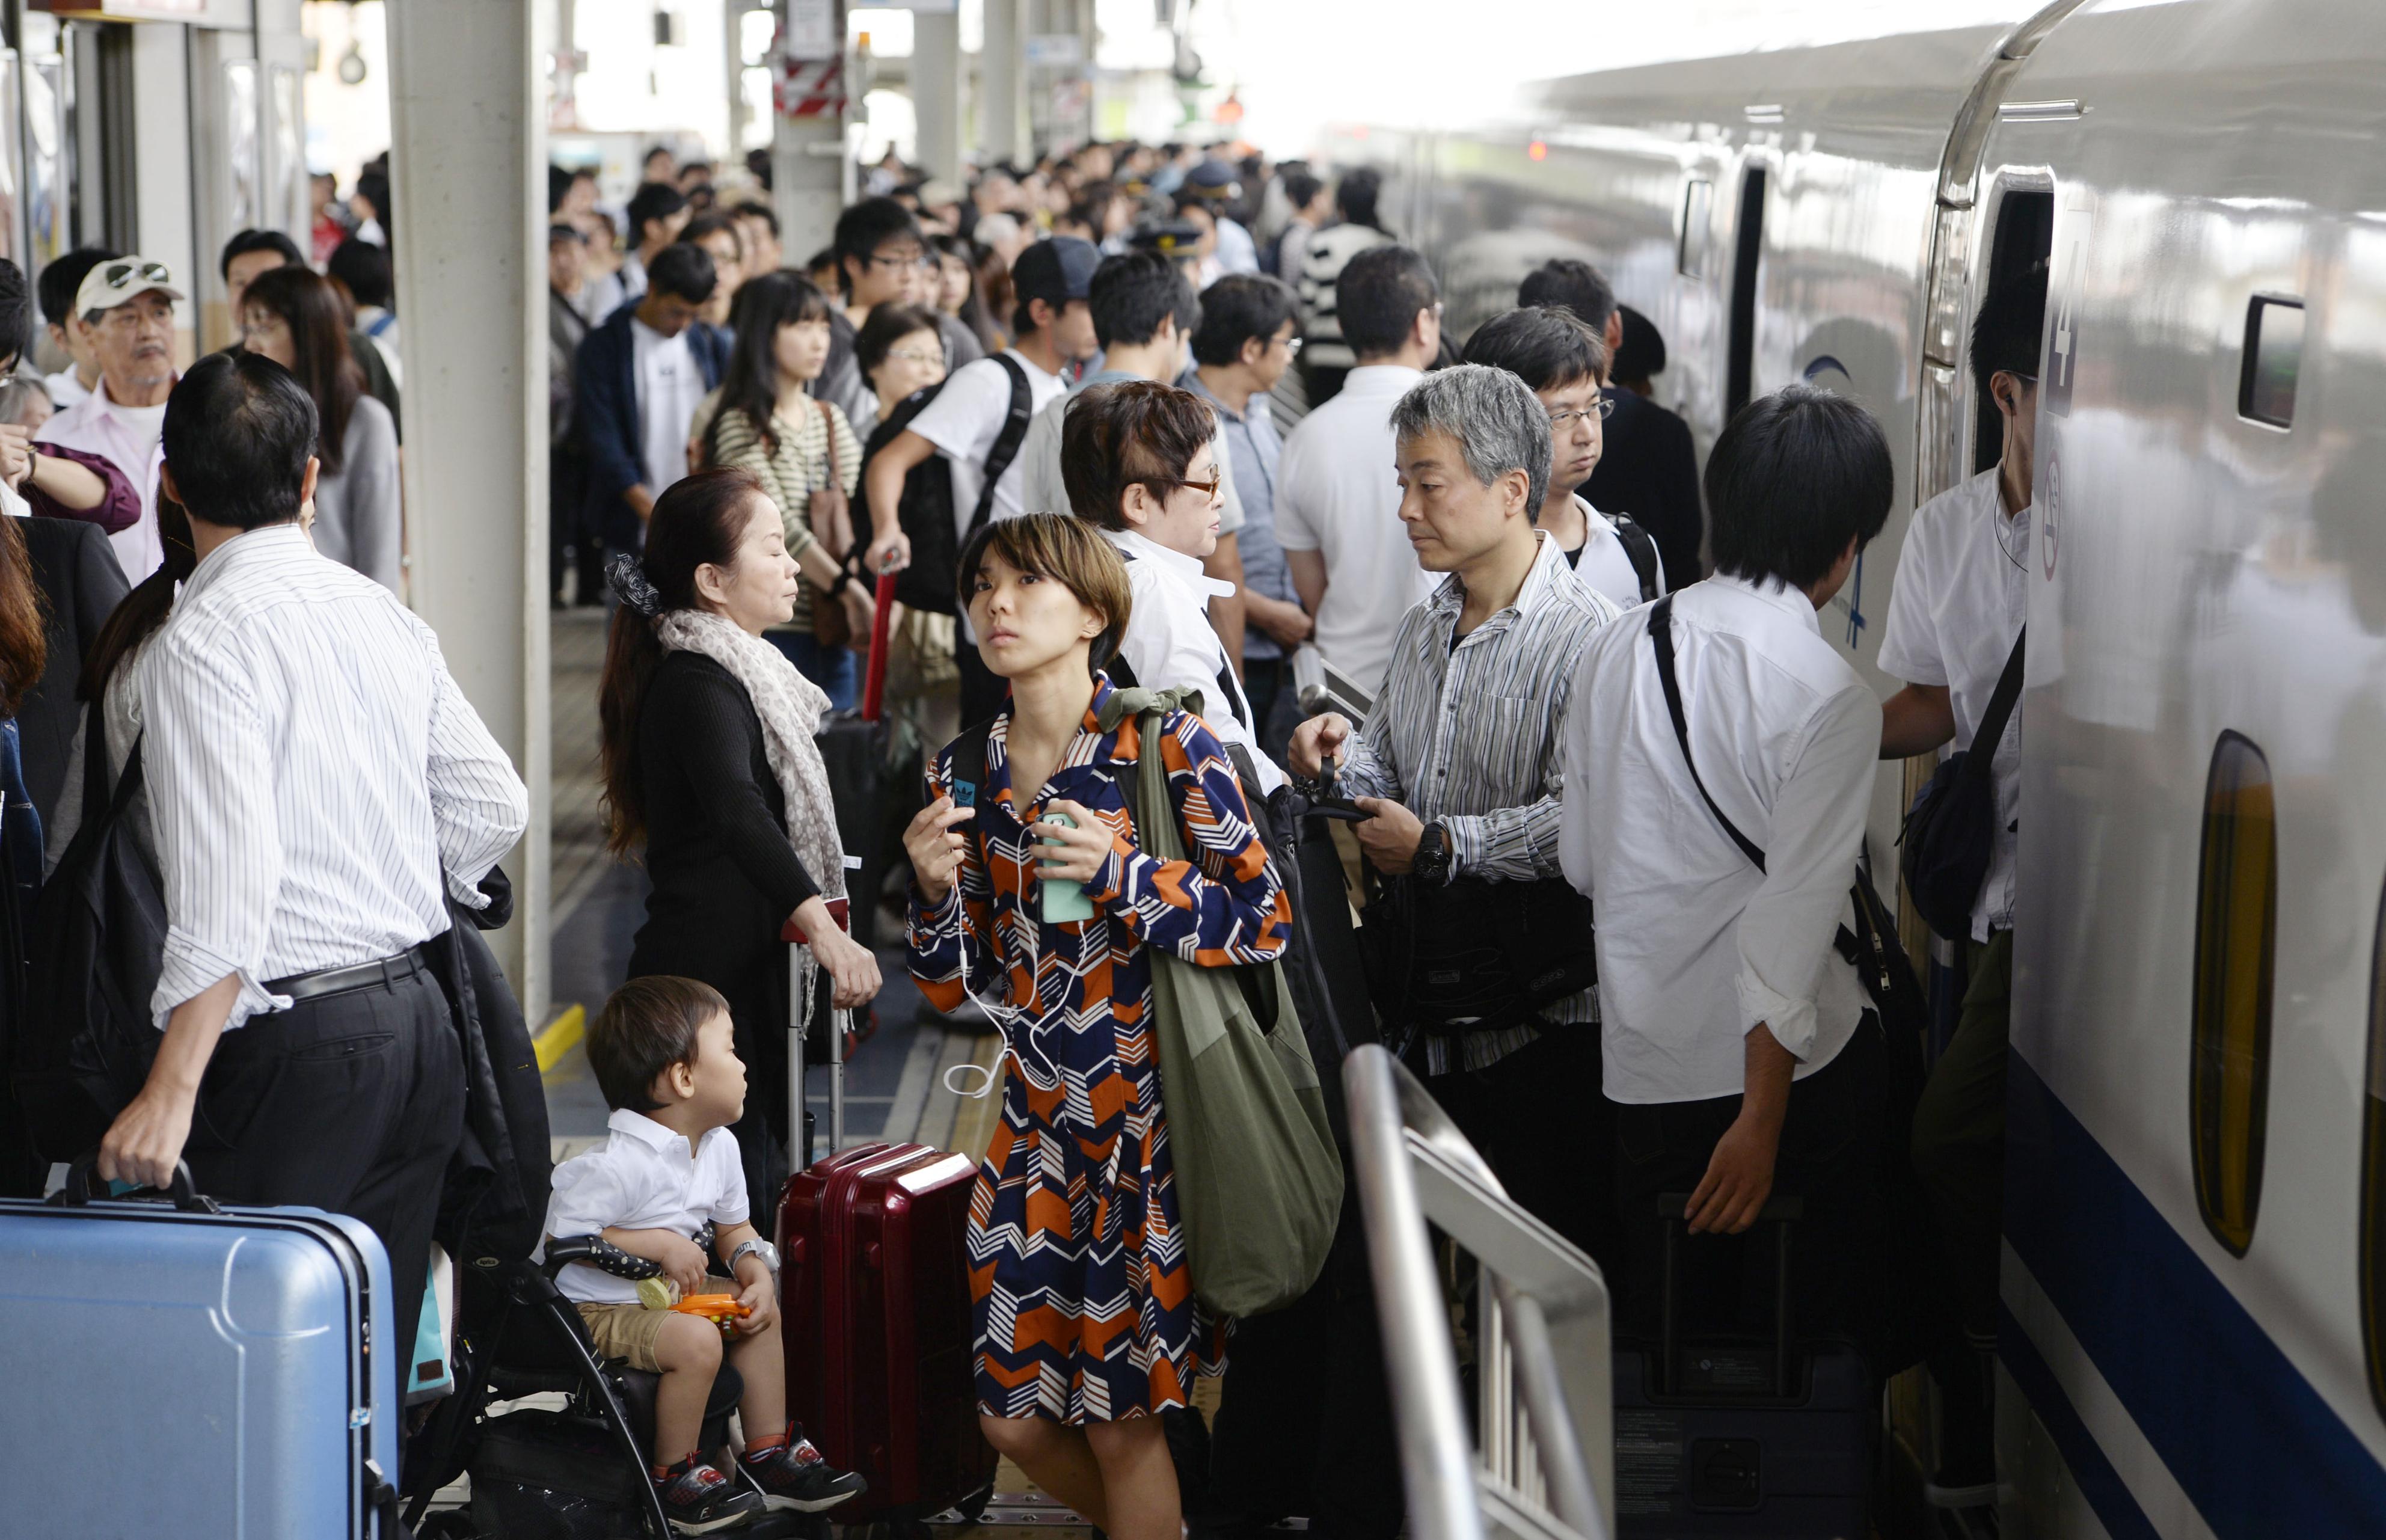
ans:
(234, 1364)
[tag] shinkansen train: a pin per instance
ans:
(2193, 1340)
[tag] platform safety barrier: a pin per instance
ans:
(1544, 1469)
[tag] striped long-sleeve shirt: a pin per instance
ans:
(312, 767)
(790, 471)
(1470, 735)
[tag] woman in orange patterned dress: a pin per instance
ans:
(1086, 1322)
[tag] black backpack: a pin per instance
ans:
(926, 508)
(1951, 832)
(98, 944)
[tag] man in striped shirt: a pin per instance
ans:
(315, 774)
(1459, 760)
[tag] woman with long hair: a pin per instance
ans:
(712, 768)
(804, 453)
(957, 265)
(294, 316)
(1086, 1323)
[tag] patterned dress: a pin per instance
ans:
(1084, 1303)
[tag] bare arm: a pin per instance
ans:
(1308, 577)
(147, 1139)
(1225, 564)
(1740, 1174)
(1289, 623)
(883, 485)
(1917, 720)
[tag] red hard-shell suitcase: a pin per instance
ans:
(874, 1287)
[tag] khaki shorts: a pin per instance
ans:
(626, 1332)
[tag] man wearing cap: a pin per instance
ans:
(128, 306)
(1051, 279)
(1213, 187)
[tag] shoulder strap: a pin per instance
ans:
(828, 432)
(1006, 443)
(1660, 634)
(2000, 710)
(1641, 547)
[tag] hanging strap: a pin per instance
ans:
(1660, 634)
(1982, 754)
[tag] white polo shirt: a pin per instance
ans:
(642, 1178)
(1169, 642)
(1961, 595)
(1338, 494)
(965, 421)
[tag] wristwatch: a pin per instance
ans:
(755, 1248)
(1433, 854)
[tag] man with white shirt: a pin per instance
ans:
(1141, 463)
(1715, 824)
(1955, 615)
(313, 771)
(982, 407)
(1562, 361)
(1338, 501)
(127, 304)
(641, 376)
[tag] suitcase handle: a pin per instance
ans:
(185, 1194)
(1673, 1209)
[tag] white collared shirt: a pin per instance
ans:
(642, 1177)
(1696, 946)
(131, 439)
(1338, 494)
(1169, 642)
(311, 767)
(1959, 600)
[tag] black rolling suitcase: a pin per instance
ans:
(868, 789)
(1742, 1437)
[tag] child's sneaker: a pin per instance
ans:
(792, 1473)
(699, 1500)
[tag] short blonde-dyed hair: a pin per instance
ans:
(1066, 550)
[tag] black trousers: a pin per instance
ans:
(1828, 1157)
(351, 1102)
(1538, 1120)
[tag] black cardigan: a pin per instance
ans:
(724, 873)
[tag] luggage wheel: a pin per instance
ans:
(973, 1507)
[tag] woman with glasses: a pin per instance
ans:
(900, 353)
(1140, 463)
(761, 421)
(293, 316)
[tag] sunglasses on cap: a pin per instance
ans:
(118, 273)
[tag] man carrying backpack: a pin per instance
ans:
(976, 421)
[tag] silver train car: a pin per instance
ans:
(2195, 1276)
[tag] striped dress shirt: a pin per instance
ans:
(312, 767)
(1472, 736)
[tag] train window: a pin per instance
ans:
(2236, 931)
(2373, 1176)
(1698, 213)
(2274, 356)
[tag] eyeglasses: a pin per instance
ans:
(915, 355)
(1292, 347)
(1602, 410)
(1207, 489)
(881, 261)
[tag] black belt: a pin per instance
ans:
(360, 975)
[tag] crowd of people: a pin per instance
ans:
(1141, 431)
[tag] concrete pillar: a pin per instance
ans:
(467, 169)
(733, 30)
(807, 169)
(937, 90)
(1003, 69)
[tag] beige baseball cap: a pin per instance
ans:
(112, 282)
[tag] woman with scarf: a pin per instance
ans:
(709, 763)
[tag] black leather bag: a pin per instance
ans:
(1477, 956)
(1951, 831)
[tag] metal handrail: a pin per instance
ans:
(1547, 1471)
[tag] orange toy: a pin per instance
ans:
(720, 1308)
